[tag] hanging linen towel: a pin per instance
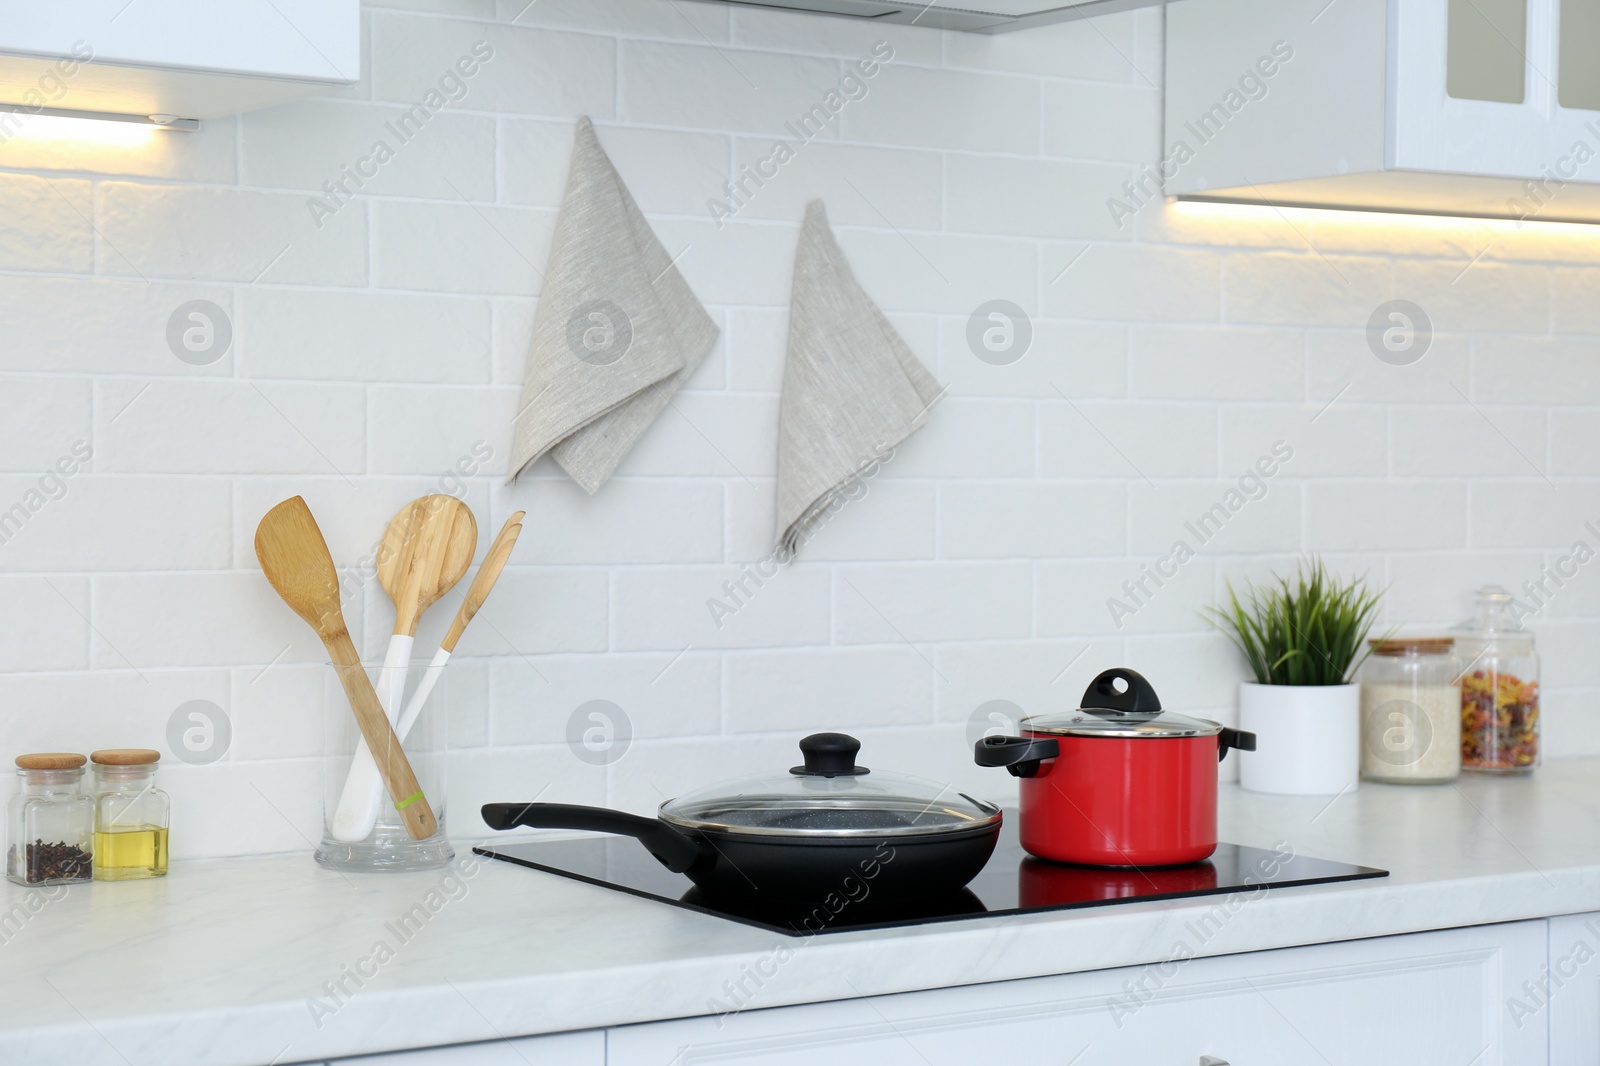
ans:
(852, 389)
(616, 334)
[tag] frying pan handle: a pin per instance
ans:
(1020, 755)
(671, 848)
(1234, 738)
(1138, 696)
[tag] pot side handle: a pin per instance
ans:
(1020, 755)
(1234, 738)
(671, 848)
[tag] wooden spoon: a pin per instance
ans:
(295, 558)
(362, 798)
(425, 552)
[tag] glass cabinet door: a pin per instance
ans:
(1487, 50)
(1579, 31)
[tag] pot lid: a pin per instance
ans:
(829, 796)
(1120, 703)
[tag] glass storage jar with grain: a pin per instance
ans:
(1499, 689)
(1411, 711)
(51, 822)
(130, 815)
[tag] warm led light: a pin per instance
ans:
(1364, 219)
(81, 130)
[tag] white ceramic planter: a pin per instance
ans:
(1308, 738)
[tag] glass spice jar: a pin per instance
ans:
(1499, 689)
(131, 815)
(50, 822)
(1411, 711)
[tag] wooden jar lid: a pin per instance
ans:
(50, 760)
(124, 756)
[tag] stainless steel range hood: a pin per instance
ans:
(975, 16)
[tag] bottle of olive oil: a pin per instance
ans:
(131, 815)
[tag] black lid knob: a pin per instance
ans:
(1135, 697)
(829, 755)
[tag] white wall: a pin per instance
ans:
(373, 353)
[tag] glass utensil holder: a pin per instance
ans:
(386, 845)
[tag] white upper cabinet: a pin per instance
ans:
(1471, 107)
(189, 58)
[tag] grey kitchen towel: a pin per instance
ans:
(616, 333)
(852, 389)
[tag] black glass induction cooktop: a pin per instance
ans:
(1012, 883)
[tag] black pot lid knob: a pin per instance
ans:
(1136, 695)
(829, 755)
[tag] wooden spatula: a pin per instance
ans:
(362, 798)
(425, 551)
(296, 560)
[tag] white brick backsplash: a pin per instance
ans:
(663, 694)
(47, 224)
(947, 109)
(115, 523)
(748, 92)
(1305, 290)
(668, 609)
(862, 185)
(1392, 515)
(1031, 519)
(1038, 676)
(98, 326)
(173, 232)
(924, 602)
(1084, 360)
(1336, 441)
(1257, 515)
(840, 688)
(1085, 120)
(1485, 296)
(1543, 370)
(1170, 363)
(1075, 599)
(40, 420)
(532, 71)
(376, 150)
(566, 525)
(192, 427)
(1342, 366)
(1017, 544)
(1461, 441)
(462, 247)
(1098, 439)
(348, 336)
(151, 621)
(942, 274)
(422, 428)
(1031, 197)
(56, 633)
(1130, 283)
(968, 438)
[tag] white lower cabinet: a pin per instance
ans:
(1569, 992)
(1426, 999)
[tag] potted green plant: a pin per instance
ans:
(1303, 640)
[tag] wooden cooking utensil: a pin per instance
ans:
(362, 798)
(425, 551)
(295, 558)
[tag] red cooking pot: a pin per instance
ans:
(1119, 781)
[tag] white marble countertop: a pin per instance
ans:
(219, 962)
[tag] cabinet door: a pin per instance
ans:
(1428, 999)
(1569, 991)
(560, 1049)
(1506, 88)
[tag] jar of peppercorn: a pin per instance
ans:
(51, 822)
(1499, 689)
